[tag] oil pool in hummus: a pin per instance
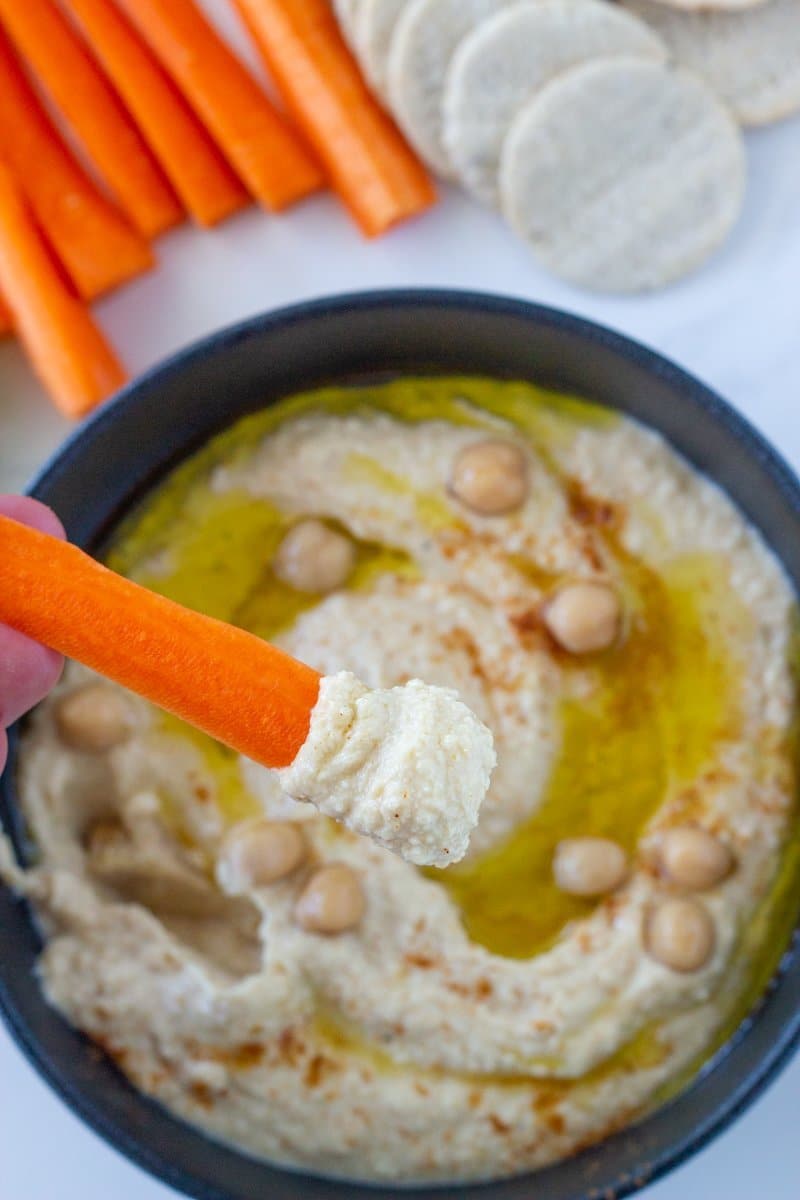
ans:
(302, 992)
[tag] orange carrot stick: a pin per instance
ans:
(199, 174)
(95, 244)
(91, 107)
(257, 142)
(371, 166)
(242, 691)
(65, 347)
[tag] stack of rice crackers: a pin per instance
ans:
(607, 132)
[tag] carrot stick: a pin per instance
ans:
(65, 347)
(199, 174)
(91, 107)
(257, 142)
(371, 166)
(242, 691)
(95, 244)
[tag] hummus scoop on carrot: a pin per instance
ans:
(407, 766)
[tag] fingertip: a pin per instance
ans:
(27, 670)
(31, 512)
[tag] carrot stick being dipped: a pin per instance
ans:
(65, 347)
(95, 244)
(92, 109)
(371, 166)
(259, 145)
(241, 690)
(206, 185)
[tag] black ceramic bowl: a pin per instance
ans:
(154, 424)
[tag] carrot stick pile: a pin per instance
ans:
(370, 165)
(64, 345)
(96, 246)
(236, 687)
(267, 154)
(171, 123)
(206, 185)
(92, 110)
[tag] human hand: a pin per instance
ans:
(27, 670)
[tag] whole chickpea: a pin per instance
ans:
(94, 718)
(263, 852)
(314, 558)
(332, 901)
(584, 617)
(680, 934)
(692, 859)
(490, 477)
(589, 866)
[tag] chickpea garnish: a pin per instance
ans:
(680, 934)
(589, 866)
(264, 852)
(94, 718)
(692, 859)
(584, 617)
(332, 900)
(490, 477)
(314, 558)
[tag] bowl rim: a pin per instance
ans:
(700, 394)
(779, 1048)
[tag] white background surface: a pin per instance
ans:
(736, 325)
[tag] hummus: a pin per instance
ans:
(407, 766)
(484, 1020)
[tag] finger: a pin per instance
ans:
(27, 673)
(27, 670)
(31, 512)
(3, 750)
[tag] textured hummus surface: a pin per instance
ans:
(476, 1023)
(406, 766)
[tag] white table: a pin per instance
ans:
(735, 325)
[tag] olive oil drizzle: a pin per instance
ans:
(660, 703)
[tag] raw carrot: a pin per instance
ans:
(257, 142)
(65, 347)
(93, 241)
(199, 174)
(91, 107)
(371, 166)
(242, 691)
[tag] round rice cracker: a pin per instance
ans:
(507, 59)
(346, 14)
(424, 40)
(712, 5)
(375, 25)
(623, 174)
(752, 58)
